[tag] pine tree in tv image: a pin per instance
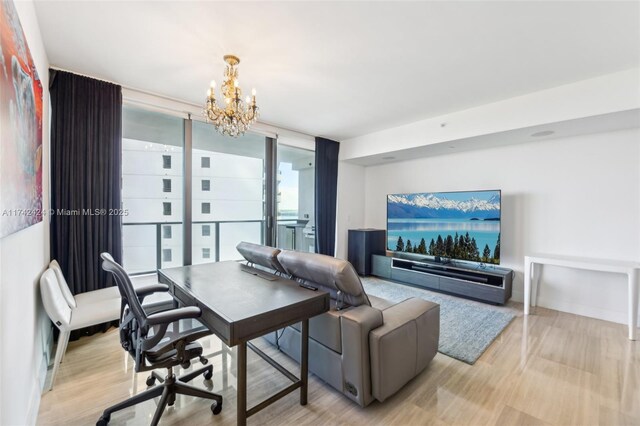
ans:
(455, 225)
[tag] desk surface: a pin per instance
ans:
(239, 306)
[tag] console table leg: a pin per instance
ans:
(304, 364)
(633, 304)
(527, 286)
(242, 384)
(535, 281)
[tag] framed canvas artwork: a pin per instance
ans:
(20, 128)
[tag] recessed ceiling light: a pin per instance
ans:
(543, 133)
(388, 158)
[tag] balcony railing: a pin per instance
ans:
(130, 254)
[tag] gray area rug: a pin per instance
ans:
(467, 328)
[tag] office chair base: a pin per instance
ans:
(167, 391)
(207, 373)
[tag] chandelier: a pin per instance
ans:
(234, 116)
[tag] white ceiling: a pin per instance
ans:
(342, 69)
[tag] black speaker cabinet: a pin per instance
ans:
(362, 244)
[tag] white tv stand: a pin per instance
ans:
(631, 269)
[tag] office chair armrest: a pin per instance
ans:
(166, 317)
(145, 290)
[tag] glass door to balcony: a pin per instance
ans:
(295, 191)
(152, 190)
(228, 188)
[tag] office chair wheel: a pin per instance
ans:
(186, 365)
(171, 400)
(204, 360)
(208, 375)
(104, 421)
(216, 407)
(151, 381)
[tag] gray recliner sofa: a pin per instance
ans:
(365, 347)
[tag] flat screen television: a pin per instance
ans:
(451, 225)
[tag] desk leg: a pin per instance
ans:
(225, 368)
(633, 304)
(242, 384)
(527, 286)
(304, 364)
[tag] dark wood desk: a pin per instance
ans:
(239, 304)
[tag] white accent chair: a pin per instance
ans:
(69, 312)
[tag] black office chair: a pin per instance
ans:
(158, 340)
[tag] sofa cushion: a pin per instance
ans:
(260, 255)
(327, 273)
(98, 311)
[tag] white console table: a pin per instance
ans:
(533, 264)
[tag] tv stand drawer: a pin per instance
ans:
(418, 278)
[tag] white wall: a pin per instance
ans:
(574, 196)
(24, 327)
(350, 204)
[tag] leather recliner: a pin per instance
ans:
(365, 347)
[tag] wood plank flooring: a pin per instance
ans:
(550, 368)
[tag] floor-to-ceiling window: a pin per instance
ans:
(228, 181)
(192, 194)
(152, 182)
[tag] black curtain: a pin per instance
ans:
(86, 149)
(326, 194)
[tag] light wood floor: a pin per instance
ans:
(549, 368)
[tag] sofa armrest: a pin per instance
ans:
(404, 345)
(356, 325)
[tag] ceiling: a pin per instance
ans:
(343, 69)
(581, 126)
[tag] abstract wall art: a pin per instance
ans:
(20, 128)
